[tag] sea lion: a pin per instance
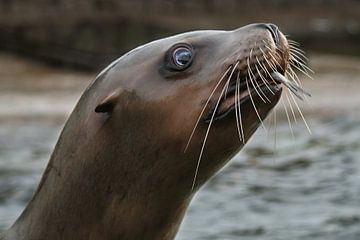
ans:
(151, 129)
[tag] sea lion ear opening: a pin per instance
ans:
(108, 104)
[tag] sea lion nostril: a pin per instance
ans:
(274, 30)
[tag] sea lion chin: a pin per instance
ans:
(152, 128)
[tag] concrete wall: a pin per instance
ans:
(91, 32)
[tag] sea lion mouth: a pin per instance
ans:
(242, 89)
(260, 86)
(254, 75)
(259, 77)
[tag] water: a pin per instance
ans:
(305, 187)
(24, 151)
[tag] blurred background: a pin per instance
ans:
(286, 184)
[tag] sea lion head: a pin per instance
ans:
(151, 129)
(186, 104)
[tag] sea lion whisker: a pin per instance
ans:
(206, 137)
(236, 113)
(262, 65)
(275, 128)
(296, 79)
(303, 66)
(262, 77)
(293, 91)
(278, 49)
(294, 57)
(301, 70)
(271, 51)
(237, 102)
(299, 55)
(298, 49)
(253, 103)
(226, 86)
(293, 87)
(250, 74)
(278, 54)
(264, 54)
(250, 55)
(265, 81)
(288, 117)
(252, 77)
(275, 62)
(291, 83)
(300, 112)
(230, 76)
(294, 76)
(270, 65)
(205, 105)
(290, 105)
(239, 108)
(265, 42)
(273, 66)
(258, 85)
(293, 43)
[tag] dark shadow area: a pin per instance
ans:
(89, 34)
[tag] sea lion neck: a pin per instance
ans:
(102, 196)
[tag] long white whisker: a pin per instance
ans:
(299, 61)
(271, 55)
(237, 102)
(272, 68)
(206, 137)
(288, 117)
(275, 129)
(239, 110)
(300, 53)
(296, 89)
(262, 77)
(267, 73)
(206, 103)
(294, 76)
(275, 62)
(304, 67)
(301, 70)
(250, 74)
(296, 60)
(300, 112)
(291, 107)
(230, 76)
(293, 43)
(253, 103)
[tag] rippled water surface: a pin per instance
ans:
(299, 187)
(307, 189)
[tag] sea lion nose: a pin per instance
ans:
(274, 30)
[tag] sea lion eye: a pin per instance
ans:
(182, 57)
(179, 57)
